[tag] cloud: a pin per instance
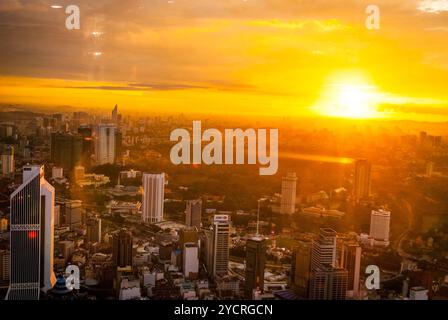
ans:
(433, 6)
(141, 87)
(414, 109)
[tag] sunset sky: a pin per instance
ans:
(256, 57)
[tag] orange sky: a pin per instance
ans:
(270, 57)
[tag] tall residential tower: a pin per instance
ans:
(153, 197)
(288, 204)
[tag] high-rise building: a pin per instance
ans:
(115, 114)
(70, 212)
(186, 235)
(221, 234)
(94, 230)
(7, 161)
(87, 145)
(207, 248)
(57, 215)
(190, 257)
(153, 197)
(362, 183)
(324, 249)
(380, 225)
(65, 248)
(4, 267)
(193, 213)
(301, 268)
(105, 143)
(351, 261)
(122, 248)
(66, 149)
(255, 262)
(57, 173)
(32, 236)
(328, 283)
(118, 146)
(288, 203)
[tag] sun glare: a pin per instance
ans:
(354, 102)
(348, 97)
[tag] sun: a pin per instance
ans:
(354, 101)
(348, 96)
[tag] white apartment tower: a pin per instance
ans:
(288, 204)
(105, 143)
(190, 260)
(153, 196)
(380, 225)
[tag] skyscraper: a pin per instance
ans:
(66, 149)
(105, 143)
(70, 212)
(115, 114)
(221, 234)
(380, 225)
(94, 230)
(288, 204)
(190, 257)
(351, 261)
(32, 236)
(362, 183)
(7, 161)
(193, 213)
(122, 248)
(324, 249)
(87, 145)
(255, 262)
(328, 283)
(301, 268)
(189, 234)
(153, 197)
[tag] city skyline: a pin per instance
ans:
(234, 152)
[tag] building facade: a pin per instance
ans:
(153, 197)
(288, 202)
(255, 263)
(105, 144)
(32, 236)
(362, 180)
(193, 213)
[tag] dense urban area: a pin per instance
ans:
(98, 195)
